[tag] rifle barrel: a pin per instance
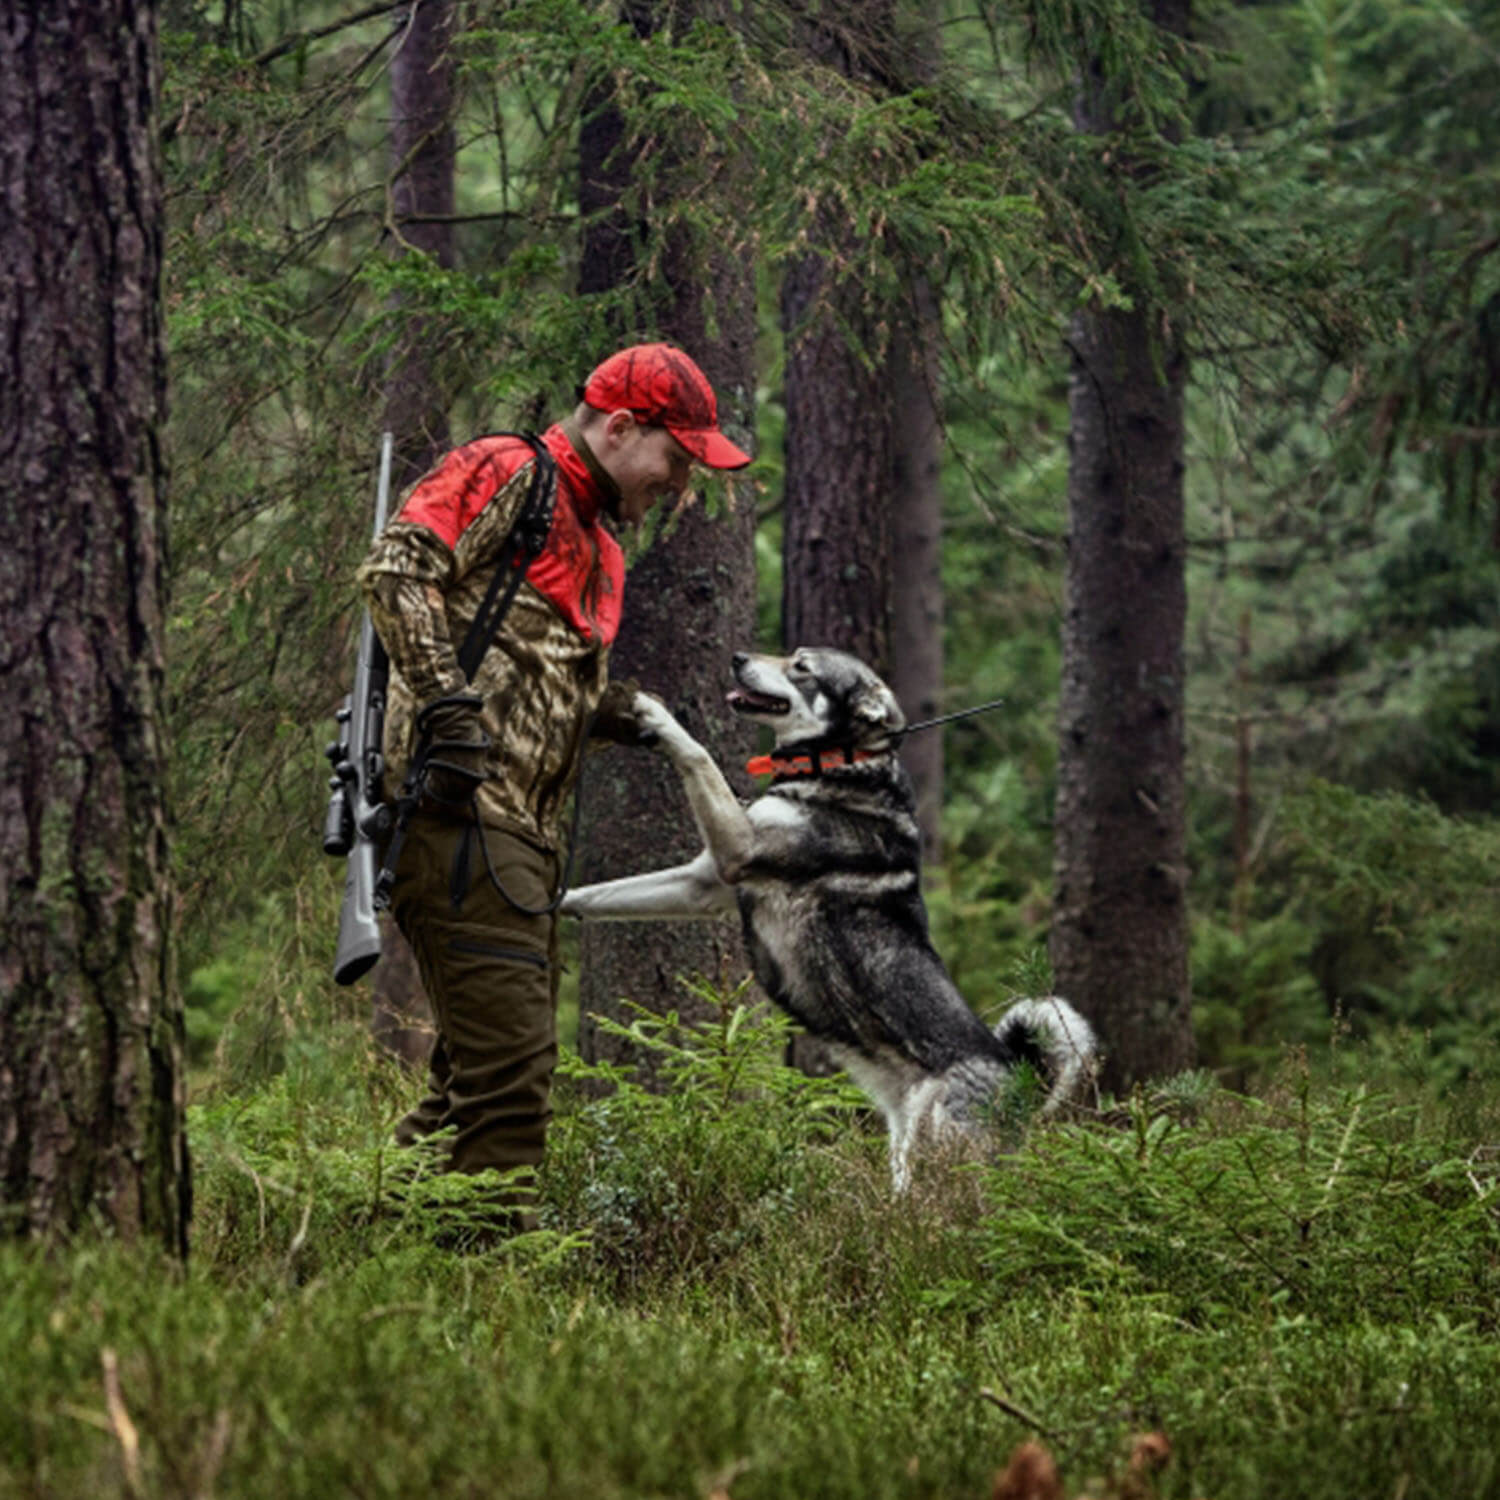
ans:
(358, 945)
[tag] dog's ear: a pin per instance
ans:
(874, 706)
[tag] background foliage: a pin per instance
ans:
(1318, 206)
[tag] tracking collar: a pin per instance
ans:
(805, 765)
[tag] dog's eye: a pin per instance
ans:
(797, 667)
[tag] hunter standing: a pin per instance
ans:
(478, 872)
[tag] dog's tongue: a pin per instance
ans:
(742, 700)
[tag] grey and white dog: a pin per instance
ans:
(824, 868)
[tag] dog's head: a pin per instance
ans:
(816, 695)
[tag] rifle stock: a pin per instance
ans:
(358, 821)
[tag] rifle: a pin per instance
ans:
(358, 821)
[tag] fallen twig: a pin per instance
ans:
(120, 1423)
(1011, 1409)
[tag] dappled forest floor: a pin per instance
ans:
(1297, 1289)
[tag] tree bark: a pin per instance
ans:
(690, 600)
(422, 184)
(917, 554)
(1119, 942)
(838, 459)
(916, 491)
(416, 405)
(91, 1084)
(836, 529)
(612, 233)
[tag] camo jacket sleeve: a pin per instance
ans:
(437, 537)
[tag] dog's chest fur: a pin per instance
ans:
(834, 920)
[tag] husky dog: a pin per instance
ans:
(824, 868)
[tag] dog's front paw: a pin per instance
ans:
(654, 720)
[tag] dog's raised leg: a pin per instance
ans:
(723, 822)
(702, 887)
(677, 894)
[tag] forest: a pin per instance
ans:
(1131, 367)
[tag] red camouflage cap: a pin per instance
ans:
(662, 386)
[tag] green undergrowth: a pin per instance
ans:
(1300, 1289)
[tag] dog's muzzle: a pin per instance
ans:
(744, 701)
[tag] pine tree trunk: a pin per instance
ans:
(91, 1086)
(689, 601)
(416, 406)
(836, 527)
(1119, 941)
(916, 491)
(836, 531)
(422, 189)
(606, 167)
(917, 555)
(838, 463)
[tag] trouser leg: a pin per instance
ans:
(427, 1117)
(490, 972)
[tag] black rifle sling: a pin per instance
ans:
(528, 536)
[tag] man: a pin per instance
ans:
(477, 878)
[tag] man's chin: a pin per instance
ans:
(630, 511)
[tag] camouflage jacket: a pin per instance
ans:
(544, 673)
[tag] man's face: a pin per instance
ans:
(647, 463)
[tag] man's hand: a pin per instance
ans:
(456, 748)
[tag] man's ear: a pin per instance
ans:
(619, 426)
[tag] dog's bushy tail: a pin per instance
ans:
(1053, 1033)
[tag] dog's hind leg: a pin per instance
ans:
(905, 1120)
(900, 1163)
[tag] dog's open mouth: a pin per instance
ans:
(743, 701)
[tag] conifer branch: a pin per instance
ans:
(315, 33)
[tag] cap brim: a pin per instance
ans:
(710, 446)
